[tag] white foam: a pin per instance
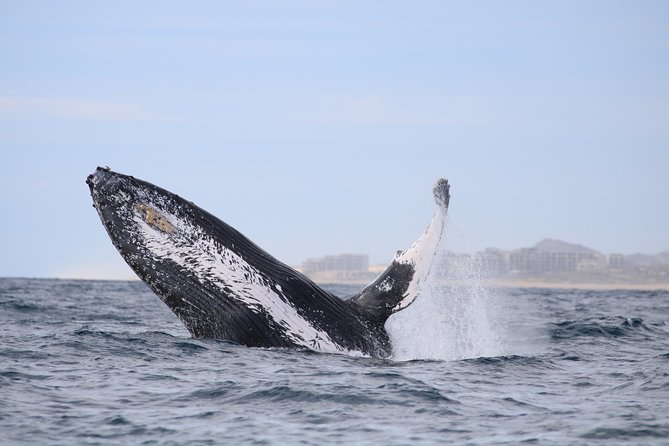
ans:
(453, 315)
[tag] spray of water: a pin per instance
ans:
(453, 317)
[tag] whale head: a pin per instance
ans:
(169, 243)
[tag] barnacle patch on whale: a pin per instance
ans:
(154, 218)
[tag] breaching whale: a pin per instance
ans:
(223, 286)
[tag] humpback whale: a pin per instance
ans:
(223, 286)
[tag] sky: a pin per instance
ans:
(320, 127)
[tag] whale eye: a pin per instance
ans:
(154, 218)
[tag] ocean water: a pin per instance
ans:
(103, 362)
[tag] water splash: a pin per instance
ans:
(454, 316)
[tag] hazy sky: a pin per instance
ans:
(319, 127)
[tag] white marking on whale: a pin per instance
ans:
(189, 248)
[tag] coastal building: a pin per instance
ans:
(340, 262)
(616, 261)
(550, 260)
(554, 256)
(341, 268)
(494, 262)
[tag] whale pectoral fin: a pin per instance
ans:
(381, 298)
(397, 287)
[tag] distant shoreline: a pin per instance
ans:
(505, 283)
(528, 283)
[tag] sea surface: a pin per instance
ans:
(104, 362)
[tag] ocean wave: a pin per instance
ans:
(635, 432)
(607, 326)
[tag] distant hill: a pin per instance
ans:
(553, 245)
(647, 260)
